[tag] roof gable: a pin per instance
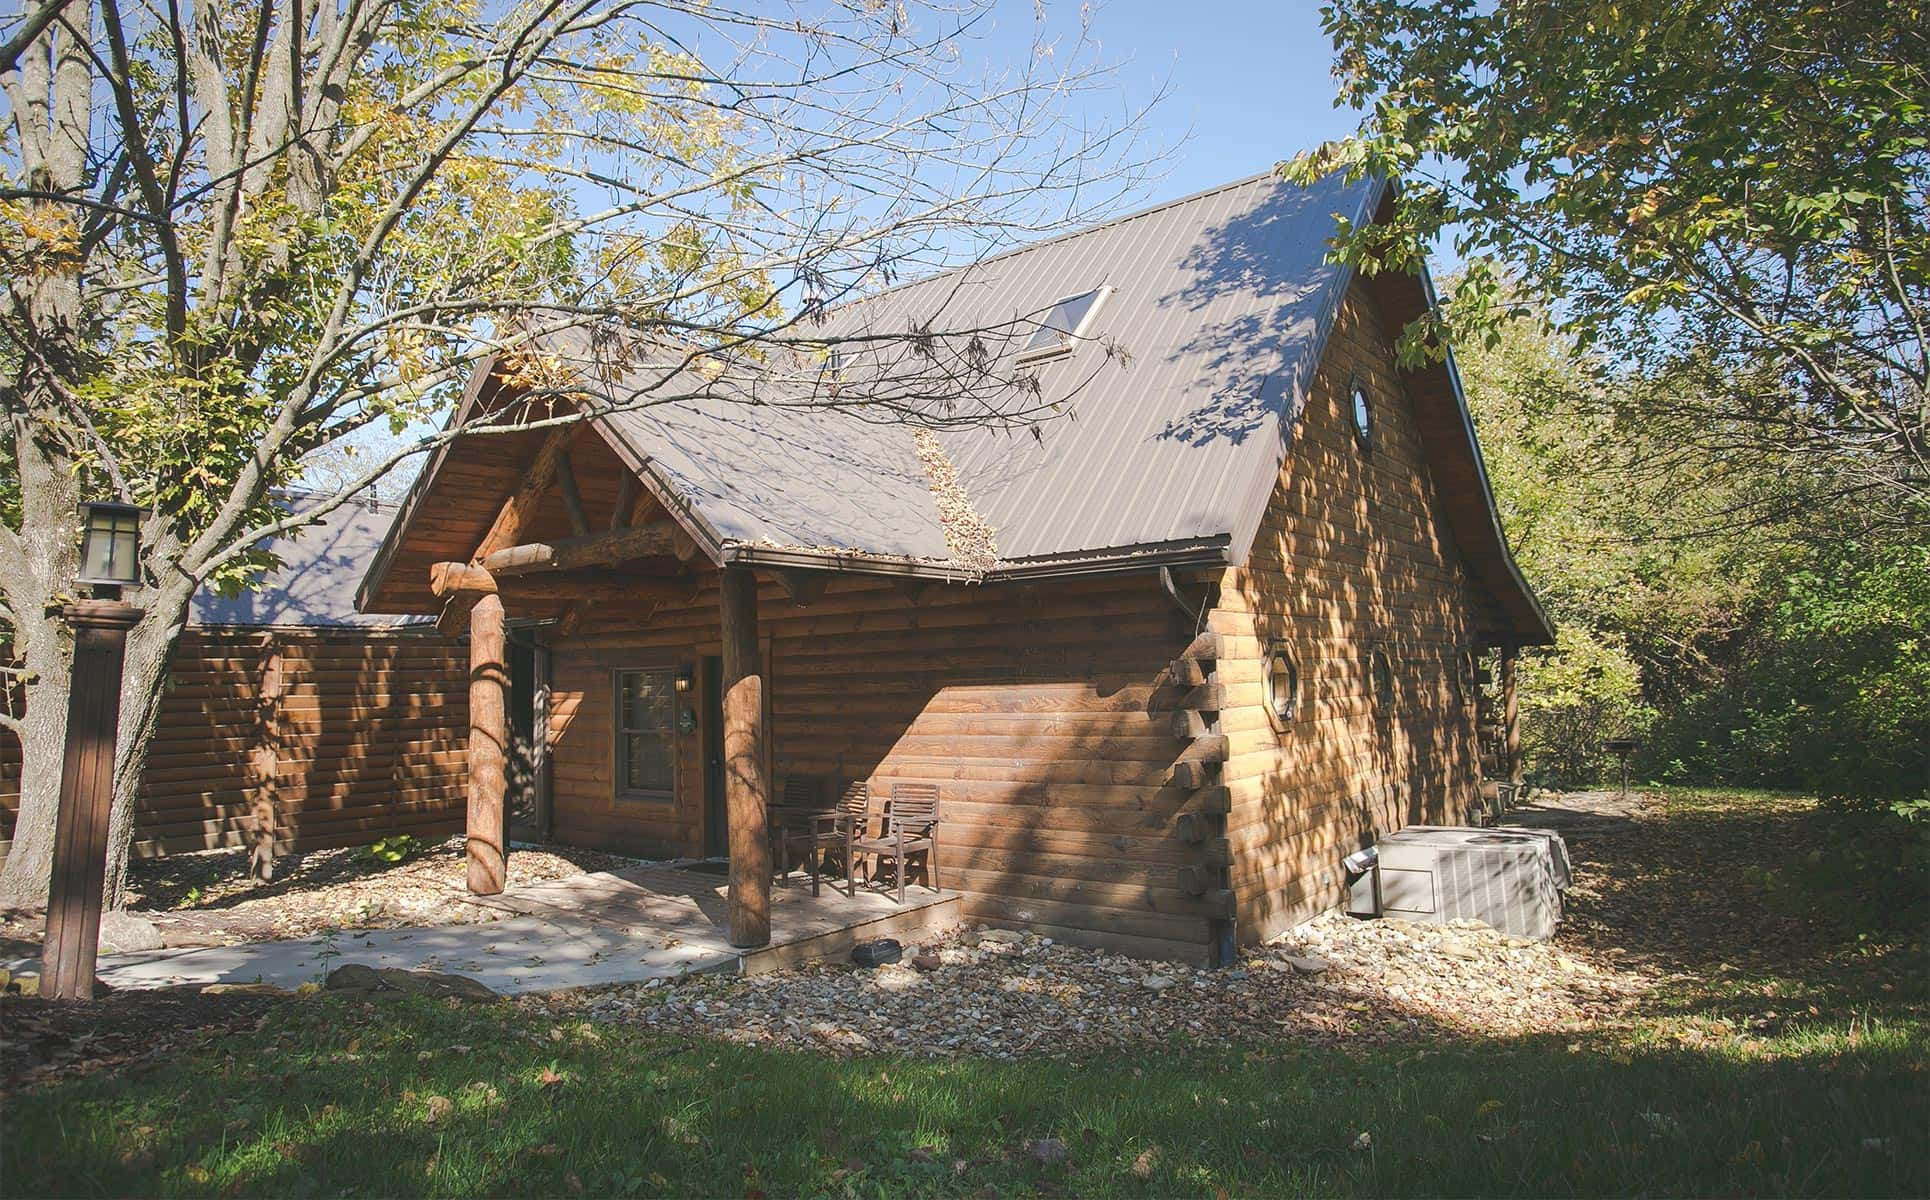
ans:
(1219, 308)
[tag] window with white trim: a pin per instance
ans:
(1063, 325)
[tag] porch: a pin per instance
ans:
(607, 927)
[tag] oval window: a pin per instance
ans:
(1382, 669)
(1363, 414)
(1282, 682)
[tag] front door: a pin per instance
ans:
(716, 808)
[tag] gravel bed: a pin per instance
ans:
(999, 994)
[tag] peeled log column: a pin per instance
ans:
(746, 790)
(1510, 717)
(488, 745)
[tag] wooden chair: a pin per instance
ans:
(837, 829)
(790, 819)
(911, 827)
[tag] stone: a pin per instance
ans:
(927, 962)
(1157, 983)
(1007, 937)
(1308, 966)
(1460, 950)
(245, 989)
(1049, 1151)
(124, 933)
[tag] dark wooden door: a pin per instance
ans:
(716, 811)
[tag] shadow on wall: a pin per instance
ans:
(1352, 559)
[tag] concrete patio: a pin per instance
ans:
(627, 926)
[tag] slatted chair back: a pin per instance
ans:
(914, 808)
(803, 791)
(855, 800)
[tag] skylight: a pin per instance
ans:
(1064, 324)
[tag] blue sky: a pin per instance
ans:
(1249, 83)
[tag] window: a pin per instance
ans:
(646, 731)
(1381, 669)
(1063, 325)
(1282, 678)
(1363, 414)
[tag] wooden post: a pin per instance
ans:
(73, 933)
(746, 786)
(1510, 716)
(488, 745)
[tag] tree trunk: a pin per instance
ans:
(143, 679)
(46, 648)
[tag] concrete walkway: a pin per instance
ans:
(607, 927)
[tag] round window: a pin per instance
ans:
(1282, 682)
(1382, 670)
(1363, 414)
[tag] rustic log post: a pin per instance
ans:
(488, 745)
(746, 787)
(72, 941)
(1510, 716)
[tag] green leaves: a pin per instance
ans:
(1745, 181)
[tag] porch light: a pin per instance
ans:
(110, 544)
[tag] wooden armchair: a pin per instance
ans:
(837, 829)
(911, 827)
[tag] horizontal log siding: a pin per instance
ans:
(371, 741)
(1351, 554)
(1043, 713)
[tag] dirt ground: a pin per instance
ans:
(206, 898)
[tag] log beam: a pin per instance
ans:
(746, 789)
(572, 495)
(488, 745)
(593, 550)
(456, 580)
(516, 511)
(626, 497)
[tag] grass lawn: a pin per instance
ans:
(1792, 1066)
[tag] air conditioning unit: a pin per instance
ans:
(1508, 877)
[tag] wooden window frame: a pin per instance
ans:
(1279, 648)
(618, 761)
(1384, 705)
(1363, 431)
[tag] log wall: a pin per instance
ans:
(1352, 555)
(1044, 714)
(360, 734)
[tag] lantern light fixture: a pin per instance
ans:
(110, 544)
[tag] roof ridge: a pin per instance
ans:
(1271, 173)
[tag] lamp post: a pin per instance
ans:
(110, 560)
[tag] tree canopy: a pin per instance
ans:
(1734, 192)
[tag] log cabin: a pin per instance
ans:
(293, 722)
(1243, 605)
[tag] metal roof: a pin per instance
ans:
(1220, 302)
(321, 566)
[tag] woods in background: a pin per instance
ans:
(1723, 610)
(1692, 314)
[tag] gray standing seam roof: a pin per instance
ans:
(1221, 302)
(321, 566)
